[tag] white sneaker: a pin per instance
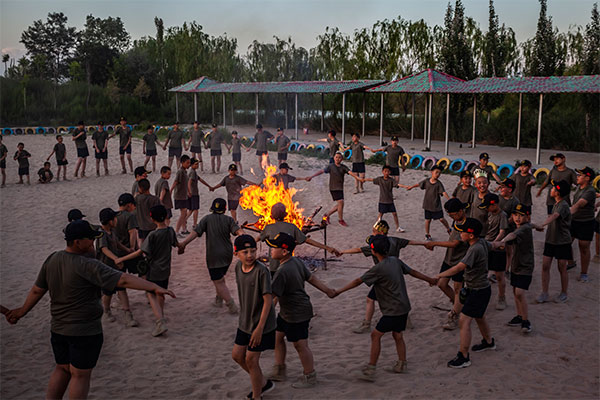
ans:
(400, 229)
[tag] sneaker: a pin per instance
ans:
(364, 327)
(583, 278)
(278, 373)
(218, 302)
(109, 317)
(343, 223)
(452, 322)
(367, 373)
(160, 327)
(516, 321)
(501, 304)
(428, 238)
(459, 361)
(561, 298)
(306, 381)
(400, 229)
(129, 321)
(399, 367)
(267, 388)
(180, 235)
(542, 298)
(483, 346)
(233, 308)
(571, 266)
(526, 327)
(186, 232)
(492, 278)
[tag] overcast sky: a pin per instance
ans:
(249, 20)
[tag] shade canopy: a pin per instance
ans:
(530, 84)
(205, 85)
(427, 81)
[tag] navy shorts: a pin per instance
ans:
(267, 341)
(583, 230)
(82, 152)
(458, 277)
(196, 149)
(82, 352)
(394, 171)
(395, 323)
(175, 152)
(169, 213)
(194, 202)
(596, 226)
(434, 214)
(61, 162)
(497, 260)
(125, 150)
(520, 281)
(217, 273)
(216, 152)
(142, 234)
(261, 152)
(558, 251)
(150, 152)
(549, 208)
(23, 171)
(476, 302)
(103, 155)
(163, 284)
(337, 195)
(387, 208)
(237, 157)
(180, 204)
(111, 292)
(282, 156)
(293, 331)
(233, 204)
(372, 295)
(358, 167)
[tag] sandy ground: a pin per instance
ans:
(559, 359)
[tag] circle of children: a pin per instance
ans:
(133, 251)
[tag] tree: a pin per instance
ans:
(591, 64)
(5, 58)
(546, 59)
(142, 90)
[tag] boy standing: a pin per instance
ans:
(196, 142)
(393, 158)
(3, 155)
(560, 172)
(334, 145)
(100, 140)
(22, 157)
(295, 309)
(45, 174)
(256, 326)
(124, 133)
(182, 195)
(523, 183)
(434, 189)
(79, 137)
(126, 229)
(282, 142)
(144, 201)
(176, 142)
(484, 166)
(233, 184)
(214, 140)
(477, 291)
(194, 201)
(61, 157)
(284, 178)
(260, 141)
(387, 277)
(482, 185)
(163, 192)
(139, 174)
(358, 160)
(236, 150)
(582, 225)
(507, 199)
(386, 197)
(464, 191)
(150, 140)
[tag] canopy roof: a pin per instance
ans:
(199, 86)
(531, 84)
(427, 81)
(196, 85)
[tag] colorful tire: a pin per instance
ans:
(310, 147)
(129, 126)
(457, 166)
(71, 128)
(30, 131)
(505, 170)
(405, 159)
(19, 131)
(40, 130)
(541, 171)
(51, 130)
(382, 153)
(320, 148)
(347, 154)
(301, 147)
(494, 166)
(293, 146)
(472, 166)
(415, 161)
(7, 131)
(443, 162)
(596, 183)
(429, 162)
(62, 129)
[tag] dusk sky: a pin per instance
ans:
(260, 20)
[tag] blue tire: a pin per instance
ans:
(505, 169)
(320, 148)
(415, 161)
(40, 130)
(457, 165)
(347, 154)
(7, 131)
(293, 146)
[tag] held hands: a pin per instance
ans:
(180, 248)
(429, 246)
(308, 179)
(432, 281)
(13, 316)
(162, 292)
(331, 293)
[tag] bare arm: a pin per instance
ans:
(130, 256)
(580, 203)
(320, 172)
(452, 271)
(264, 314)
(423, 277)
(313, 280)
(320, 245)
(34, 296)
(133, 282)
(351, 285)
(47, 159)
(446, 196)
(193, 235)
(355, 250)
(112, 256)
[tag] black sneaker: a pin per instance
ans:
(526, 326)
(484, 346)
(459, 361)
(267, 388)
(571, 266)
(516, 321)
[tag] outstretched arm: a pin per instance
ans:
(452, 271)
(416, 274)
(351, 285)
(313, 280)
(34, 296)
(319, 172)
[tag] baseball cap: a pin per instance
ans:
(509, 183)
(139, 171)
(106, 215)
(379, 244)
(522, 209)
(81, 229)
(488, 200)
(149, 127)
(556, 155)
(466, 172)
(126, 198)
(244, 242)
(286, 166)
(282, 241)
(279, 129)
(436, 167)
(80, 123)
(234, 132)
(394, 138)
(123, 119)
(382, 226)
(214, 125)
(218, 206)
(258, 126)
(232, 167)
(74, 215)
(278, 211)
(455, 205)
(563, 187)
(484, 155)
(525, 162)
(158, 213)
(101, 123)
(587, 171)
(471, 225)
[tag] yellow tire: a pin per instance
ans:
(310, 146)
(405, 159)
(539, 171)
(596, 183)
(62, 129)
(447, 162)
(494, 166)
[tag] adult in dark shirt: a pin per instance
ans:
(124, 133)
(176, 142)
(559, 172)
(79, 137)
(214, 144)
(74, 282)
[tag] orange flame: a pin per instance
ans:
(260, 199)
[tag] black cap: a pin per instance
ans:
(74, 215)
(158, 213)
(234, 132)
(331, 132)
(394, 138)
(101, 123)
(244, 242)
(436, 167)
(81, 229)
(126, 198)
(176, 123)
(509, 183)
(282, 241)
(587, 171)
(139, 171)
(285, 165)
(466, 172)
(471, 225)
(232, 167)
(484, 155)
(122, 119)
(279, 129)
(258, 126)
(522, 209)
(455, 205)
(80, 123)
(379, 244)
(218, 206)
(557, 155)
(525, 162)
(563, 187)
(106, 215)
(149, 127)
(488, 200)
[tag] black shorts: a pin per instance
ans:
(358, 167)
(169, 213)
(216, 152)
(396, 323)
(387, 208)
(180, 204)
(194, 202)
(520, 281)
(3, 164)
(23, 171)
(372, 295)
(61, 162)
(394, 171)
(163, 284)
(477, 302)
(596, 226)
(233, 204)
(337, 195)
(103, 155)
(497, 260)
(150, 152)
(111, 292)
(549, 209)
(217, 273)
(261, 152)
(175, 152)
(266, 343)
(293, 331)
(142, 234)
(236, 157)
(82, 352)
(131, 265)
(282, 156)
(558, 251)
(434, 214)
(583, 230)
(458, 277)
(123, 150)
(196, 149)
(82, 152)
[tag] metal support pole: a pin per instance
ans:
(429, 122)
(224, 115)
(232, 121)
(425, 123)
(363, 113)
(195, 106)
(285, 126)
(474, 118)
(296, 115)
(381, 122)
(539, 136)
(213, 107)
(256, 110)
(344, 119)
(412, 119)
(325, 251)
(447, 122)
(322, 112)
(176, 107)
(519, 124)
